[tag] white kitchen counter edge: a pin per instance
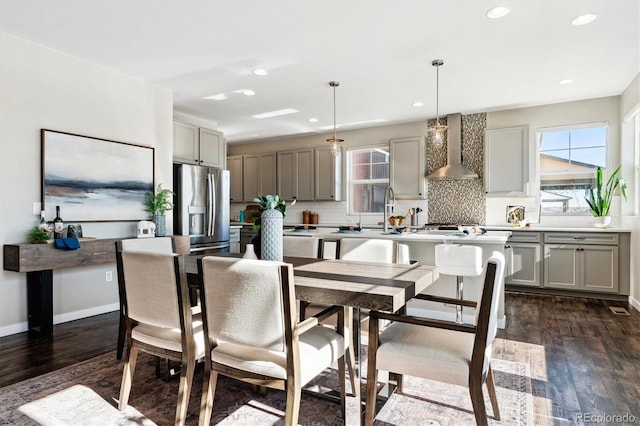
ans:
(491, 237)
(541, 228)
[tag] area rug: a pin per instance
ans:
(86, 394)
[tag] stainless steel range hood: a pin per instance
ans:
(454, 168)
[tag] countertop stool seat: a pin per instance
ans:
(459, 260)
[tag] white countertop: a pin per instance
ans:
(543, 228)
(491, 237)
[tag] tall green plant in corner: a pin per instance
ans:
(599, 198)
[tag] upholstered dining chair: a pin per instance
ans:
(450, 352)
(252, 332)
(159, 318)
(302, 246)
(154, 245)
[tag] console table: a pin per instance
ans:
(40, 260)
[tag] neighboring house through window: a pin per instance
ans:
(567, 161)
(367, 176)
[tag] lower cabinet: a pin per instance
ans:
(234, 240)
(523, 259)
(582, 262)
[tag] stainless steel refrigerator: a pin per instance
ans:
(201, 206)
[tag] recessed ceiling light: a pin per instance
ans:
(218, 97)
(260, 71)
(497, 12)
(248, 92)
(417, 104)
(313, 120)
(584, 19)
(566, 81)
(276, 113)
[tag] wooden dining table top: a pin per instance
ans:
(365, 285)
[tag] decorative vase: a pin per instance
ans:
(161, 228)
(249, 252)
(271, 230)
(601, 221)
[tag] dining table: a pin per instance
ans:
(355, 285)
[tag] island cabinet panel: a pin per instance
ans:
(506, 161)
(407, 167)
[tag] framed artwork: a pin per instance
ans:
(94, 180)
(515, 214)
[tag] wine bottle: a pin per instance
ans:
(58, 225)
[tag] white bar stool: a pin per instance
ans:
(459, 260)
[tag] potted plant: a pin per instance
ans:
(38, 235)
(158, 204)
(599, 198)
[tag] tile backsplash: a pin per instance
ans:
(459, 201)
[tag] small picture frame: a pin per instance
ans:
(515, 214)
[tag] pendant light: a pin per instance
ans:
(334, 141)
(437, 131)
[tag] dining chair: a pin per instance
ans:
(154, 245)
(159, 318)
(450, 352)
(302, 246)
(252, 333)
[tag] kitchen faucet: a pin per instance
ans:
(389, 205)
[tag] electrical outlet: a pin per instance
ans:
(109, 276)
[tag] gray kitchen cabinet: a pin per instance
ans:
(258, 175)
(582, 262)
(523, 259)
(234, 165)
(197, 145)
(234, 239)
(328, 174)
(407, 167)
(295, 175)
(506, 161)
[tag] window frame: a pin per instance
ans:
(539, 173)
(350, 181)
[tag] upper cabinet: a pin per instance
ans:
(234, 165)
(295, 175)
(328, 174)
(506, 161)
(198, 145)
(407, 167)
(259, 175)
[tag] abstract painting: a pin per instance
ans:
(94, 180)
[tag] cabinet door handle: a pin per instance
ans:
(579, 238)
(507, 247)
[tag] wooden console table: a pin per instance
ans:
(40, 260)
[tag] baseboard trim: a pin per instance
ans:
(61, 318)
(635, 303)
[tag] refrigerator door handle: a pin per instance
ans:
(211, 189)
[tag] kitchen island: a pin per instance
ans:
(421, 248)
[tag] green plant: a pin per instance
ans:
(266, 202)
(160, 202)
(38, 235)
(599, 198)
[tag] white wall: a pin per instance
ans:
(562, 114)
(43, 88)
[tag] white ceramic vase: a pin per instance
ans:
(271, 231)
(601, 221)
(249, 252)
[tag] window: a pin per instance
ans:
(567, 161)
(368, 177)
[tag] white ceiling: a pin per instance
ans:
(379, 51)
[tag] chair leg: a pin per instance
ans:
(292, 411)
(127, 377)
(350, 353)
(479, 410)
(372, 372)
(491, 386)
(208, 393)
(122, 334)
(184, 390)
(343, 393)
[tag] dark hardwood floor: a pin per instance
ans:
(583, 358)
